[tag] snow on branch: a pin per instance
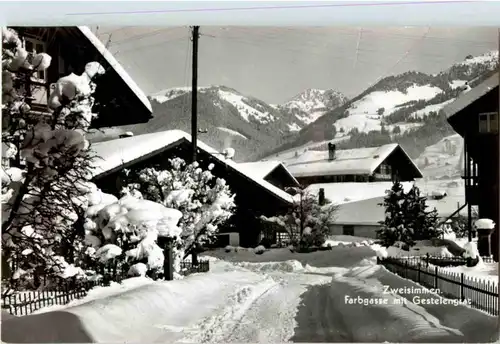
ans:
(205, 201)
(45, 167)
(307, 223)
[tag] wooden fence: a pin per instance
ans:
(482, 294)
(188, 268)
(26, 302)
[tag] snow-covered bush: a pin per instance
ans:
(447, 231)
(126, 232)
(307, 223)
(259, 249)
(205, 201)
(407, 218)
(45, 162)
(471, 254)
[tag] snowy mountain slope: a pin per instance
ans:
(226, 118)
(232, 132)
(249, 108)
(443, 159)
(171, 93)
(368, 113)
(291, 155)
(404, 108)
(309, 105)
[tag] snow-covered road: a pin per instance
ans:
(268, 315)
(308, 304)
(282, 300)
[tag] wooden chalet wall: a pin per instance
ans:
(484, 151)
(251, 200)
(343, 178)
(71, 51)
(280, 178)
(402, 168)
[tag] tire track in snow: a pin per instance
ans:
(213, 328)
(272, 317)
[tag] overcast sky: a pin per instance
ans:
(276, 63)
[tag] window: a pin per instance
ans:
(385, 169)
(33, 47)
(488, 123)
(348, 230)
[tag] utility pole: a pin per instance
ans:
(194, 85)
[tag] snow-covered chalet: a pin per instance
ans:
(257, 187)
(362, 217)
(71, 48)
(362, 165)
(474, 115)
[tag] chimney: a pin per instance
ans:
(321, 196)
(331, 151)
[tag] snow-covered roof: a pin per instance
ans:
(349, 161)
(116, 66)
(339, 193)
(467, 98)
(114, 153)
(262, 169)
(369, 212)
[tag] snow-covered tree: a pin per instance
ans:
(45, 164)
(206, 202)
(124, 232)
(406, 217)
(307, 222)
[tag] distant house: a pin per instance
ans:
(71, 48)
(474, 115)
(375, 164)
(273, 172)
(361, 218)
(254, 195)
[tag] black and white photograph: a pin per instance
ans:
(250, 184)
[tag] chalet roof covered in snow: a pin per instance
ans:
(467, 98)
(369, 212)
(116, 66)
(262, 169)
(349, 161)
(339, 193)
(115, 153)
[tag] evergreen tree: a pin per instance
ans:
(422, 224)
(406, 217)
(393, 227)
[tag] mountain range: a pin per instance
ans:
(403, 108)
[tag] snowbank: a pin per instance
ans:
(99, 292)
(346, 243)
(389, 318)
(139, 314)
(421, 248)
(285, 266)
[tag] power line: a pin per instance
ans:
(118, 30)
(158, 44)
(144, 35)
(263, 8)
